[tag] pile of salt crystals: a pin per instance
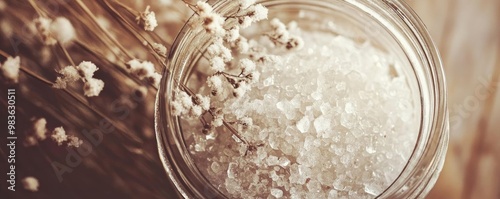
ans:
(334, 119)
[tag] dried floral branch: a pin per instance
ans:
(94, 20)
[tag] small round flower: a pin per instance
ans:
(247, 65)
(295, 43)
(62, 30)
(40, 128)
(93, 87)
(59, 135)
(42, 25)
(242, 45)
(86, 69)
(185, 99)
(69, 74)
(242, 89)
(74, 141)
(177, 108)
(10, 68)
(141, 69)
(196, 111)
(217, 64)
(149, 19)
(155, 79)
(244, 4)
(245, 21)
(217, 121)
(30, 141)
(203, 7)
(213, 22)
(233, 34)
(218, 49)
(260, 12)
(255, 77)
(31, 184)
(214, 82)
(204, 102)
(160, 49)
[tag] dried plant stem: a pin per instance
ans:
(4, 53)
(127, 26)
(136, 14)
(36, 76)
(82, 101)
(107, 34)
(90, 24)
(190, 6)
(235, 132)
(37, 9)
(93, 51)
(226, 124)
(478, 142)
(66, 54)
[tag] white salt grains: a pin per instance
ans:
(277, 193)
(331, 119)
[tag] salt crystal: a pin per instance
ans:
(317, 95)
(274, 176)
(268, 81)
(313, 186)
(325, 107)
(345, 159)
(261, 154)
(321, 124)
(272, 160)
(346, 120)
(372, 190)
(278, 193)
(332, 194)
(370, 150)
(284, 162)
(216, 168)
(303, 125)
(349, 108)
(231, 170)
(341, 86)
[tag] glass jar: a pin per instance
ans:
(389, 24)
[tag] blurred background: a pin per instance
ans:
(124, 163)
(467, 35)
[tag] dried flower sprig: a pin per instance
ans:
(104, 47)
(281, 37)
(30, 183)
(85, 72)
(53, 31)
(10, 68)
(222, 82)
(147, 18)
(60, 137)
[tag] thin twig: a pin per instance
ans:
(136, 14)
(66, 54)
(6, 55)
(94, 20)
(83, 102)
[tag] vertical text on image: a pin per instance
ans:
(11, 139)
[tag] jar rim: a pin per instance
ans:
(428, 154)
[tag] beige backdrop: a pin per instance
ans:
(466, 32)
